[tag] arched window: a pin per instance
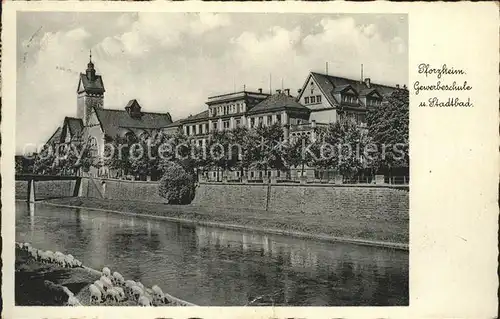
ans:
(92, 142)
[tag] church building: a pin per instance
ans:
(98, 125)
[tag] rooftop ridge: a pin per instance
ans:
(354, 80)
(239, 92)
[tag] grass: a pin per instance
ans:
(366, 228)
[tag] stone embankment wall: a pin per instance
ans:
(46, 189)
(385, 202)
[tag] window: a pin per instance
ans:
(252, 174)
(238, 122)
(269, 174)
(278, 118)
(269, 120)
(278, 173)
(237, 174)
(214, 125)
(362, 118)
(313, 99)
(306, 100)
(214, 111)
(252, 122)
(261, 120)
(318, 98)
(226, 124)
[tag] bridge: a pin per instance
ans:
(32, 178)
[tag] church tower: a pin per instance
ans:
(90, 92)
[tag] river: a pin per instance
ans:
(218, 267)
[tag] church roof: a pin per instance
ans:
(276, 102)
(56, 136)
(89, 86)
(115, 121)
(75, 125)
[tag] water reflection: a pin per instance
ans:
(212, 266)
(31, 209)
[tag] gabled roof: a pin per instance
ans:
(133, 103)
(370, 91)
(343, 88)
(112, 121)
(96, 86)
(175, 123)
(276, 102)
(75, 125)
(197, 117)
(56, 136)
(330, 84)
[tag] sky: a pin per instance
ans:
(171, 62)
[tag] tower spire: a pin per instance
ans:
(90, 68)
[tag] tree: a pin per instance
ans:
(117, 155)
(301, 152)
(177, 185)
(246, 142)
(270, 153)
(388, 129)
(175, 148)
(19, 165)
(343, 147)
(220, 155)
(45, 160)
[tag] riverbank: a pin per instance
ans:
(382, 233)
(38, 284)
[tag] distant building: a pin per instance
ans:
(96, 125)
(323, 99)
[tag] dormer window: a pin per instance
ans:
(133, 109)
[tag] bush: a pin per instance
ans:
(176, 185)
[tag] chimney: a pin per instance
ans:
(287, 92)
(397, 86)
(260, 90)
(367, 82)
(278, 91)
(404, 87)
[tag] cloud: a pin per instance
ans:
(346, 45)
(43, 92)
(153, 31)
